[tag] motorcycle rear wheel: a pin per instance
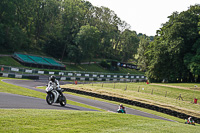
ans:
(49, 99)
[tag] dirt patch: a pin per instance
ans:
(179, 87)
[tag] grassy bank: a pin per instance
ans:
(42, 121)
(9, 61)
(9, 88)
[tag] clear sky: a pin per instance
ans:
(145, 16)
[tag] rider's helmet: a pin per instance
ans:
(52, 78)
(121, 105)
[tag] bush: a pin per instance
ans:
(104, 64)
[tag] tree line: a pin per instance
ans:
(70, 29)
(174, 55)
(76, 30)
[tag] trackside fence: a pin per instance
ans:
(75, 75)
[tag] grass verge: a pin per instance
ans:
(9, 88)
(43, 121)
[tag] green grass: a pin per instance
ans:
(97, 68)
(9, 88)
(86, 67)
(145, 94)
(9, 61)
(186, 85)
(43, 121)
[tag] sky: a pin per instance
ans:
(145, 16)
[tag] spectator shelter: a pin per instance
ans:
(37, 61)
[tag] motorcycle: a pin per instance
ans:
(189, 122)
(53, 96)
(121, 111)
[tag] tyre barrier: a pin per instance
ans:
(136, 103)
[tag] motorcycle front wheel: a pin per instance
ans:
(49, 99)
(63, 101)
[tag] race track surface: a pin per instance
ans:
(13, 101)
(17, 101)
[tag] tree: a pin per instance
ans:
(12, 37)
(63, 28)
(129, 43)
(172, 48)
(74, 54)
(142, 53)
(110, 27)
(76, 13)
(88, 40)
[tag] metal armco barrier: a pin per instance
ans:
(136, 103)
(35, 77)
(76, 75)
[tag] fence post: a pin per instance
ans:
(179, 97)
(139, 89)
(152, 92)
(102, 85)
(114, 85)
(125, 88)
(166, 94)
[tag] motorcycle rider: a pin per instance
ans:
(121, 107)
(190, 120)
(56, 85)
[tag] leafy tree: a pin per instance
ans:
(110, 27)
(170, 52)
(88, 40)
(142, 53)
(75, 14)
(130, 43)
(74, 54)
(64, 28)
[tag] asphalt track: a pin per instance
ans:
(18, 101)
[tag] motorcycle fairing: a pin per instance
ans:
(56, 95)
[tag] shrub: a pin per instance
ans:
(104, 64)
